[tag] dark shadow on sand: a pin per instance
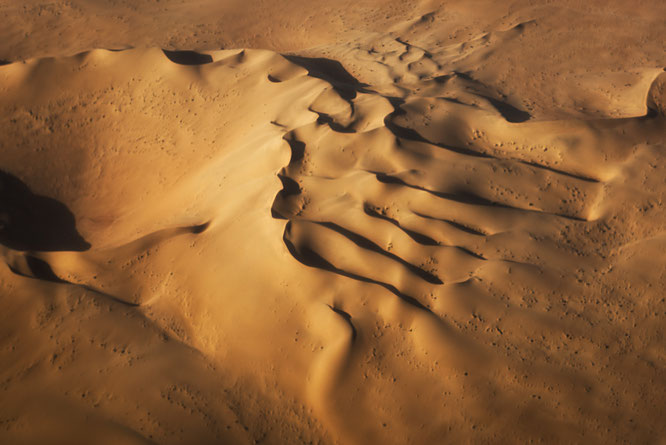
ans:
(33, 222)
(188, 57)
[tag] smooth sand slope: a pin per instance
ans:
(392, 223)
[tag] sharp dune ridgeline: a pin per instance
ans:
(374, 222)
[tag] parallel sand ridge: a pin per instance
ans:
(238, 246)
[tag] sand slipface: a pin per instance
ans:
(385, 222)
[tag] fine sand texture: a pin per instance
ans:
(344, 222)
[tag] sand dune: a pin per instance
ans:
(413, 222)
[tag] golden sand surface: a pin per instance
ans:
(343, 222)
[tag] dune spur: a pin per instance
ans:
(264, 247)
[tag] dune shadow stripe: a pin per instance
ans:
(332, 72)
(509, 112)
(188, 57)
(365, 243)
(310, 258)
(418, 237)
(347, 318)
(33, 222)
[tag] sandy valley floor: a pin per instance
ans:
(343, 222)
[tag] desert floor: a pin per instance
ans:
(343, 222)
